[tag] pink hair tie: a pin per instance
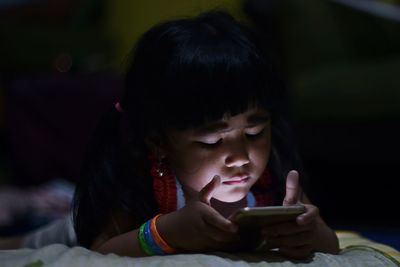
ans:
(118, 107)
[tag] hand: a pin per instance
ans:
(199, 227)
(295, 239)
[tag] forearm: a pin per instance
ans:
(125, 244)
(327, 240)
(128, 244)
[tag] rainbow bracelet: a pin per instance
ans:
(158, 239)
(142, 241)
(150, 240)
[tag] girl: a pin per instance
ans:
(199, 133)
(202, 134)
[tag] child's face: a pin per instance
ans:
(236, 148)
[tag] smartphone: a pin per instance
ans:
(261, 216)
(251, 220)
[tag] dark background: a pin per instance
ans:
(342, 66)
(61, 65)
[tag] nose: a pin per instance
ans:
(237, 154)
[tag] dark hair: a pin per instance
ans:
(182, 73)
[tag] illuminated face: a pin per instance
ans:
(236, 148)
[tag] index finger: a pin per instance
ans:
(292, 188)
(206, 193)
(218, 221)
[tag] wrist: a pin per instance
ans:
(327, 241)
(166, 225)
(150, 240)
(167, 228)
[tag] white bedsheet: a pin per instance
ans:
(63, 256)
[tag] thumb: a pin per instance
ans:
(206, 192)
(292, 188)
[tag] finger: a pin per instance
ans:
(206, 192)
(283, 229)
(292, 188)
(311, 214)
(217, 220)
(301, 252)
(219, 236)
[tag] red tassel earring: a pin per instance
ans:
(160, 167)
(164, 185)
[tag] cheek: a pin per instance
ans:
(201, 178)
(200, 169)
(260, 152)
(193, 166)
(190, 160)
(203, 164)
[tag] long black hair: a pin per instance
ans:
(182, 73)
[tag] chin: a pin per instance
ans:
(230, 196)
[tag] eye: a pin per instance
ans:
(209, 145)
(253, 134)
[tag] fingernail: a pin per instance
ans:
(301, 219)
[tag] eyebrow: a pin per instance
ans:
(221, 126)
(257, 118)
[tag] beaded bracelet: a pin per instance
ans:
(150, 240)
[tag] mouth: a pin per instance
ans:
(236, 180)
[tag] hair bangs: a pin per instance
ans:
(197, 71)
(208, 81)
